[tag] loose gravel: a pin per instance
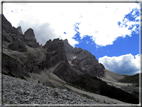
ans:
(19, 91)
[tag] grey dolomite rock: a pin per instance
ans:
(17, 46)
(83, 60)
(30, 38)
(19, 91)
(19, 29)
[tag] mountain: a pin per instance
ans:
(131, 79)
(56, 64)
(83, 60)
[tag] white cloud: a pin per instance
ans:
(87, 42)
(124, 64)
(95, 20)
(42, 32)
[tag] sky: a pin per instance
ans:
(110, 31)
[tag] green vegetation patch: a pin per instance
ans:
(130, 79)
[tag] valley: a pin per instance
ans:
(58, 65)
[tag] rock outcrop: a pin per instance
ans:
(30, 38)
(12, 67)
(68, 47)
(6, 25)
(19, 29)
(83, 61)
(9, 33)
(55, 53)
(14, 41)
(17, 46)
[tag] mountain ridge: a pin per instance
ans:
(55, 64)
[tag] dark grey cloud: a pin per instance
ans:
(43, 32)
(125, 64)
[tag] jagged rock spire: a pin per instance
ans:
(29, 34)
(30, 38)
(19, 29)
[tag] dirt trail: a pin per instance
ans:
(47, 77)
(50, 74)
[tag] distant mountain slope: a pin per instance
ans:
(130, 79)
(111, 76)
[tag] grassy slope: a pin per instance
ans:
(105, 89)
(131, 79)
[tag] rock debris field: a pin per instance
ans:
(19, 91)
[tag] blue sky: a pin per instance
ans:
(110, 31)
(121, 46)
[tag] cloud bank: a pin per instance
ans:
(42, 32)
(104, 22)
(125, 64)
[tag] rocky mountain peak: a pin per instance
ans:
(29, 34)
(10, 34)
(6, 25)
(47, 43)
(19, 29)
(68, 47)
(83, 60)
(66, 41)
(30, 38)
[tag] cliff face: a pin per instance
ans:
(29, 37)
(68, 63)
(9, 33)
(83, 61)
(23, 57)
(54, 51)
